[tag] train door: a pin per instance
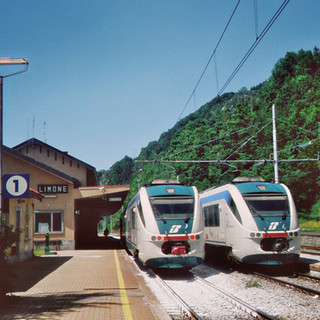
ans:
(212, 215)
(232, 219)
(133, 226)
(223, 221)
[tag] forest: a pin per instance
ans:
(238, 127)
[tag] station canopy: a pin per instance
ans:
(101, 200)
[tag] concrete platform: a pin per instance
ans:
(310, 260)
(81, 285)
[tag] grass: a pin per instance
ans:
(38, 252)
(310, 226)
(253, 284)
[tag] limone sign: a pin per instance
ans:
(16, 185)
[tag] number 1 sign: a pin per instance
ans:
(16, 185)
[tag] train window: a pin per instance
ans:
(133, 218)
(141, 213)
(234, 209)
(172, 207)
(212, 216)
(268, 205)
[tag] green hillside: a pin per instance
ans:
(238, 126)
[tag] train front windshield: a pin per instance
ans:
(268, 205)
(172, 207)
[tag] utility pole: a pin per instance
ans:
(6, 61)
(275, 151)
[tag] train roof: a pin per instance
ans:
(260, 187)
(164, 181)
(252, 184)
(169, 189)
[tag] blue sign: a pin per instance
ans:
(16, 185)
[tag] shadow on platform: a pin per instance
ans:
(107, 243)
(22, 276)
(42, 307)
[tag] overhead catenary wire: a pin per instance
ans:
(254, 45)
(293, 125)
(255, 8)
(226, 160)
(213, 53)
(259, 37)
(216, 139)
(241, 130)
(243, 144)
(295, 135)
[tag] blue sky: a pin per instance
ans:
(107, 77)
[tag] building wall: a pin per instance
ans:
(58, 160)
(50, 206)
(21, 217)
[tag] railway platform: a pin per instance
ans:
(81, 285)
(312, 261)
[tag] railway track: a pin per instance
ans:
(312, 278)
(233, 307)
(186, 311)
(253, 312)
(278, 301)
(293, 284)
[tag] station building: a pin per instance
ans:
(66, 200)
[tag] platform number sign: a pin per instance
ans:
(16, 185)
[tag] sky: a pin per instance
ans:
(105, 77)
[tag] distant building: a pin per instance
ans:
(66, 200)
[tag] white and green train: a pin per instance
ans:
(163, 226)
(251, 221)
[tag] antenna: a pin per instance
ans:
(44, 132)
(33, 124)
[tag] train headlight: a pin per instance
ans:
(197, 237)
(153, 238)
(252, 234)
(296, 233)
(258, 235)
(290, 234)
(192, 237)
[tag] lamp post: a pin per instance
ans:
(6, 61)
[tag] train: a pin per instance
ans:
(163, 226)
(250, 221)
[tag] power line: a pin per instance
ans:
(254, 45)
(255, 8)
(293, 125)
(207, 65)
(228, 161)
(259, 37)
(217, 139)
(243, 144)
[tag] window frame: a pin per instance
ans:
(212, 215)
(51, 212)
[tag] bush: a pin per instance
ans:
(8, 237)
(310, 226)
(315, 211)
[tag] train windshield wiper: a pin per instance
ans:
(255, 212)
(284, 215)
(158, 215)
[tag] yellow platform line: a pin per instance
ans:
(123, 292)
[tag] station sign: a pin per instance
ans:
(16, 185)
(52, 188)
